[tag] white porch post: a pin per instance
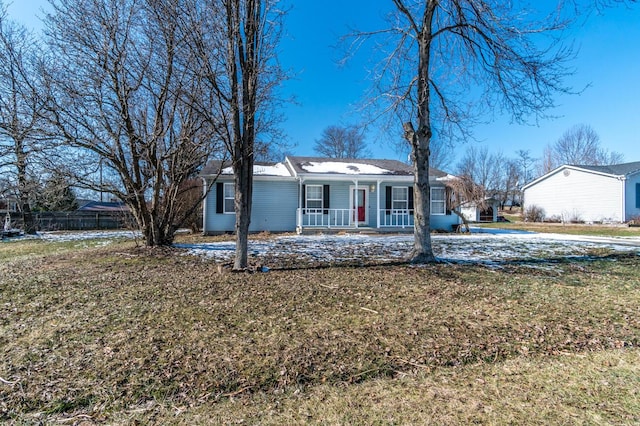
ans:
(299, 215)
(204, 205)
(378, 204)
(355, 203)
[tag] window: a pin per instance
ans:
(637, 195)
(438, 201)
(229, 195)
(314, 197)
(400, 198)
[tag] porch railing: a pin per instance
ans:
(398, 218)
(325, 218)
(345, 218)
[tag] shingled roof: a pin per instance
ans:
(613, 169)
(354, 166)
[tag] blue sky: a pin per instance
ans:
(608, 61)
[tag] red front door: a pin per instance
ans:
(360, 195)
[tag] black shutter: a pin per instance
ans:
(410, 199)
(447, 200)
(637, 195)
(304, 196)
(325, 199)
(219, 197)
(387, 205)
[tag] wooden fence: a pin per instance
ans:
(77, 220)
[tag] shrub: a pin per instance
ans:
(534, 213)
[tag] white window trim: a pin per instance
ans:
(405, 189)
(307, 199)
(225, 198)
(442, 202)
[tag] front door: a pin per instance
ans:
(359, 204)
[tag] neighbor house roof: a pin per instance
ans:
(614, 170)
(104, 206)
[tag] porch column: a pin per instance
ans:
(378, 203)
(355, 203)
(205, 198)
(299, 215)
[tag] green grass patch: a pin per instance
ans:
(572, 229)
(120, 334)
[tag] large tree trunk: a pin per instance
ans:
(243, 196)
(422, 251)
(420, 140)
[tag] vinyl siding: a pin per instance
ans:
(577, 195)
(631, 196)
(274, 208)
(275, 203)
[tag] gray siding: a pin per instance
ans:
(274, 208)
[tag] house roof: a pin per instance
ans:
(613, 170)
(321, 166)
(352, 166)
(259, 169)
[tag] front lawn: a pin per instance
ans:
(119, 334)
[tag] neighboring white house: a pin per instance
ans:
(587, 193)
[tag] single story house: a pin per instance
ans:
(310, 193)
(576, 193)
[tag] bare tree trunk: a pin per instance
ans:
(422, 251)
(28, 222)
(420, 140)
(244, 190)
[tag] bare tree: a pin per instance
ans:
(440, 54)
(580, 145)
(342, 142)
(463, 190)
(22, 139)
(483, 167)
(124, 101)
(234, 45)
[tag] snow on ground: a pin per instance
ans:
(62, 236)
(483, 245)
(488, 248)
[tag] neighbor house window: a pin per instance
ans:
(438, 201)
(400, 198)
(314, 197)
(229, 194)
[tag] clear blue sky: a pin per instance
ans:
(608, 61)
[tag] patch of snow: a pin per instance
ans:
(488, 249)
(85, 235)
(278, 169)
(343, 168)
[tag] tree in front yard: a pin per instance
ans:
(448, 62)
(124, 101)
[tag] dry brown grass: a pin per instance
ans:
(124, 335)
